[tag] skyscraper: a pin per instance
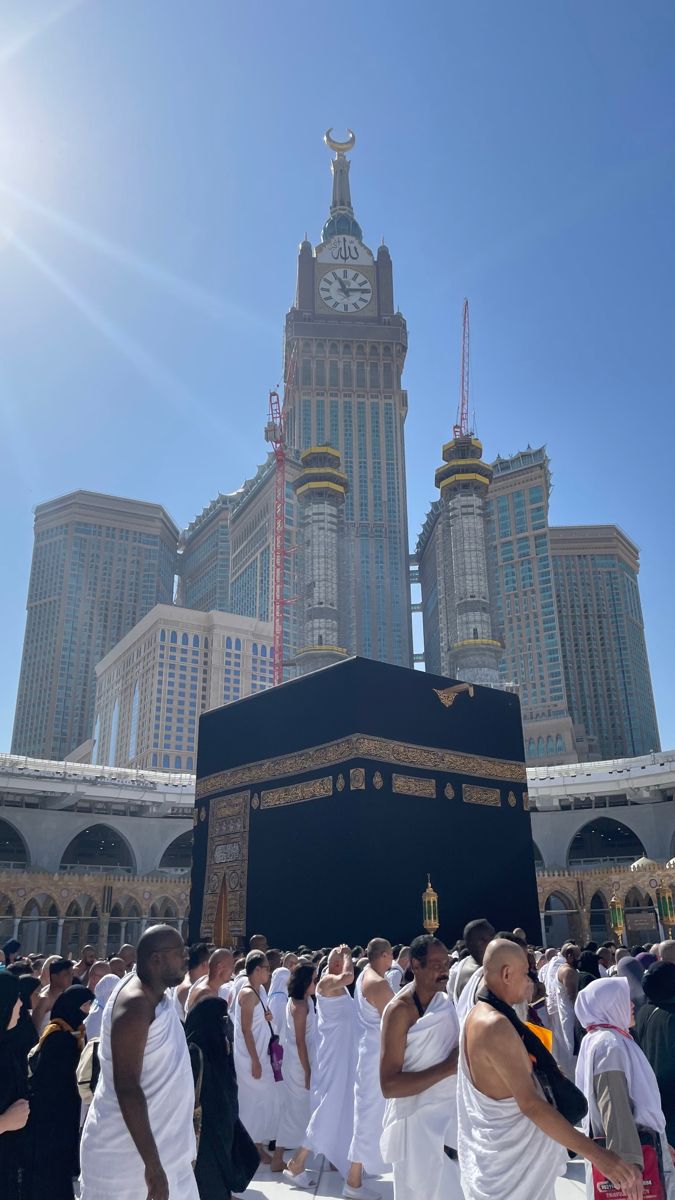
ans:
(451, 554)
(519, 556)
(348, 345)
(321, 491)
(204, 558)
(604, 654)
(99, 564)
(172, 666)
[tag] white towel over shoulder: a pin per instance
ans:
(417, 1128)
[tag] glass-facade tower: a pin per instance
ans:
(345, 350)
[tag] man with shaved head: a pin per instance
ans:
(512, 1142)
(418, 1076)
(138, 1139)
(371, 996)
(218, 976)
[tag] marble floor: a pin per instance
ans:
(267, 1186)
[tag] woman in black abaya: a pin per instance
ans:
(54, 1125)
(227, 1158)
(13, 1092)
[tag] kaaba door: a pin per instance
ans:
(221, 925)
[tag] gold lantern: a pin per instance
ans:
(430, 908)
(616, 916)
(664, 898)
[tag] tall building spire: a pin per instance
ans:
(341, 219)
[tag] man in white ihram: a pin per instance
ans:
(420, 1032)
(138, 1139)
(371, 996)
(511, 1140)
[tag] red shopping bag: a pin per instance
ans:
(653, 1185)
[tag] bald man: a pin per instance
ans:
(138, 1138)
(512, 1143)
(219, 974)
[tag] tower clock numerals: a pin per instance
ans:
(344, 290)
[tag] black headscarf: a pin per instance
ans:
(588, 962)
(659, 984)
(68, 1006)
(9, 994)
(28, 984)
(10, 947)
(208, 1026)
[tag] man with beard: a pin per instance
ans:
(418, 1075)
(138, 1138)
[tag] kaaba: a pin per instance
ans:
(324, 804)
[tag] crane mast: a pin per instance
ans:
(276, 436)
(461, 429)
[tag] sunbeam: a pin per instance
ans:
(185, 403)
(19, 43)
(189, 293)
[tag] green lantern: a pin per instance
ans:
(430, 908)
(616, 916)
(664, 897)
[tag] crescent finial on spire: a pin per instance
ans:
(340, 147)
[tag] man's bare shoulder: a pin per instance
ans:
(132, 1005)
(401, 1011)
(487, 1026)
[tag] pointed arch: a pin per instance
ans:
(99, 846)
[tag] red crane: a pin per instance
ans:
(275, 434)
(461, 429)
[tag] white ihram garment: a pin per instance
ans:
(330, 1128)
(563, 1025)
(468, 997)
(297, 1103)
(502, 1154)
(112, 1168)
(416, 1128)
(368, 1099)
(395, 976)
(259, 1099)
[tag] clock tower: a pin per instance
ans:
(348, 347)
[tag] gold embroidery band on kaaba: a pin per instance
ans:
(295, 793)
(414, 785)
(481, 795)
(361, 745)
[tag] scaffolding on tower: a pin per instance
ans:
(275, 434)
(461, 429)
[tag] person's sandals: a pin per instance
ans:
(303, 1179)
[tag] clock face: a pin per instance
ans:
(344, 290)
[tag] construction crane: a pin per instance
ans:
(461, 429)
(275, 434)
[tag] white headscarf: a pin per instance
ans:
(277, 998)
(606, 1002)
(103, 991)
(552, 969)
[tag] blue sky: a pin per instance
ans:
(160, 161)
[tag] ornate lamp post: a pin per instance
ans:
(430, 908)
(664, 899)
(616, 916)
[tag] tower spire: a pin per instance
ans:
(341, 219)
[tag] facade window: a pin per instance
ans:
(133, 731)
(174, 637)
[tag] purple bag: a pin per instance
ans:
(276, 1053)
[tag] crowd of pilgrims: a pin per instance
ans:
(476, 1072)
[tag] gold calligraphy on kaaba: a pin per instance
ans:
(295, 793)
(225, 894)
(481, 795)
(363, 746)
(357, 779)
(414, 785)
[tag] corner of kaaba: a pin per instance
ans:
(323, 806)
